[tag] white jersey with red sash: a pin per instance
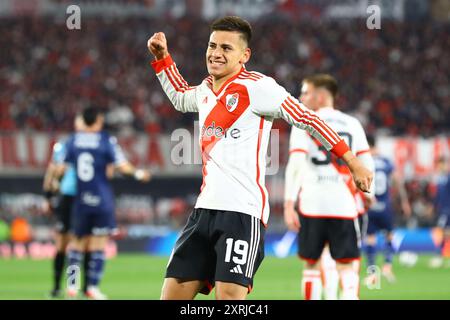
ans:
(235, 125)
(327, 188)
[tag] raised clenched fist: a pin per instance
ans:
(157, 45)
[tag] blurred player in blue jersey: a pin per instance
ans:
(441, 208)
(380, 213)
(60, 196)
(91, 152)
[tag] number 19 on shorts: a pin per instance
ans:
(236, 251)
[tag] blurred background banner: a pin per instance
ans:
(29, 153)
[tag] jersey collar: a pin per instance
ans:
(227, 82)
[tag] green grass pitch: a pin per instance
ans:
(139, 276)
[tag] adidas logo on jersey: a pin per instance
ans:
(236, 269)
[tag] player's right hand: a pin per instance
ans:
(147, 176)
(157, 45)
(291, 219)
(144, 175)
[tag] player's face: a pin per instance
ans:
(226, 53)
(309, 96)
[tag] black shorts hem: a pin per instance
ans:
(246, 285)
(347, 260)
(206, 289)
(309, 260)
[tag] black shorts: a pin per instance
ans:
(218, 245)
(64, 213)
(342, 235)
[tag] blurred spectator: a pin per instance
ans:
(394, 79)
(421, 201)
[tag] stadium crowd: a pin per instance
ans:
(394, 79)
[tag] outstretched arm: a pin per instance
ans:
(182, 96)
(275, 101)
(117, 158)
(128, 169)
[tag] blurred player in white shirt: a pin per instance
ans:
(327, 196)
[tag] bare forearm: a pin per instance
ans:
(293, 177)
(127, 169)
(130, 170)
(48, 178)
(361, 175)
(349, 159)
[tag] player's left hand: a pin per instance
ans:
(363, 178)
(291, 218)
(361, 175)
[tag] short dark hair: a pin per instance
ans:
(371, 140)
(233, 23)
(90, 115)
(325, 81)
